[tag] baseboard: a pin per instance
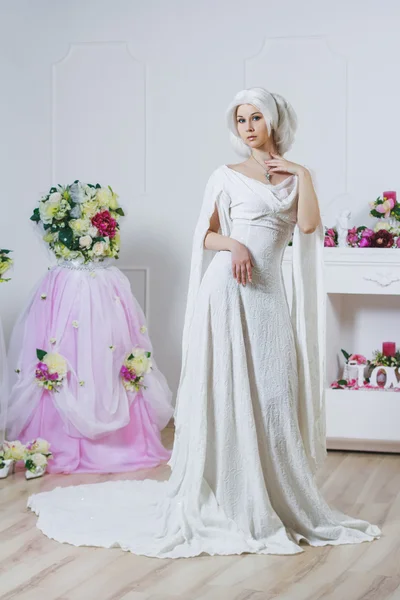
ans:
(363, 445)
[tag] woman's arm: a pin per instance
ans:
(308, 215)
(241, 259)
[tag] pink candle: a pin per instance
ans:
(389, 348)
(389, 195)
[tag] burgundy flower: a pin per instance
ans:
(106, 225)
(382, 239)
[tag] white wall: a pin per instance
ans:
(133, 94)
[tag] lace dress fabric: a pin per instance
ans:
(243, 476)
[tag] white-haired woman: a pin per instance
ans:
(250, 413)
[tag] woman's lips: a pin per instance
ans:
(252, 137)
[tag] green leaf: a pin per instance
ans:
(36, 216)
(47, 226)
(345, 354)
(342, 382)
(66, 237)
(148, 354)
(4, 251)
(40, 354)
(98, 186)
(375, 213)
(130, 357)
(52, 190)
(119, 211)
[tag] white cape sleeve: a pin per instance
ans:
(308, 319)
(214, 197)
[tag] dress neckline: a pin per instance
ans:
(268, 185)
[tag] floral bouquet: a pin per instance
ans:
(381, 360)
(135, 367)
(5, 263)
(331, 237)
(51, 370)
(80, 221)
(385, 208)
(11, 451)
(37, 454)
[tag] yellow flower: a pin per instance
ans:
(40, 445)
(104, 197)
(79, 225)
(48, 237)
(143, 329)
(140, 362)
(56, 363)
(114, 202)
(49, 208)
(14, 450)
(90, 208)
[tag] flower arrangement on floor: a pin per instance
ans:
(51, 370)
(136, 365)
(80, 221)
(5, 264)
(35, 456)
(370, 376)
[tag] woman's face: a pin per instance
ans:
(251, 126)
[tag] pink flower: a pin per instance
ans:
(352, 237)
(105, 223)
(398, 242)
(367, 233)
(359, 358)
(365, 242)
(329, 242)
(330, 232)
(386, 207)
(335, 385)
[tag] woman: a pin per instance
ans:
(249, 419)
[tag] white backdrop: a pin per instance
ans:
(133, 94)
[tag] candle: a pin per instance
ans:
(389, 348)
(390, 195)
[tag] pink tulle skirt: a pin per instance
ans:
(90, 317)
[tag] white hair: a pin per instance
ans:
(277, 112)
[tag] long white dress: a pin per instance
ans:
(249, 418)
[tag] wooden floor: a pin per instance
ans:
(32, 567)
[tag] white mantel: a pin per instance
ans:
(362, 311)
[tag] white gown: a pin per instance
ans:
(249, 418)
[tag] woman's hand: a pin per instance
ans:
(278, 164)
(242, 263)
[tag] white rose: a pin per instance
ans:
(99, 248)
(38, 460)
(55, 197)
(85, 241)
(93, 231)
(382, 225)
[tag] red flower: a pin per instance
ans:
(106, 225)
(382, 239)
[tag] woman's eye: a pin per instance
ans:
(256, 118)
(240, 120)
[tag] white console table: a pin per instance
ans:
(362, 310)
